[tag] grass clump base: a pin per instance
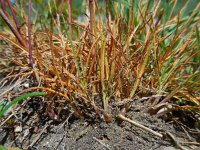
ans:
(121, 52)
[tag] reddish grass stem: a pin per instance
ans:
(29, 34)
(3, 6)
(13, 29)
(61, 7)
(13, 14)
(70, 16)
(92, 15)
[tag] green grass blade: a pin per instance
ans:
(2, 147)
(74, 53)
(20, 98)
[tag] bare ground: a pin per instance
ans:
(33, 129)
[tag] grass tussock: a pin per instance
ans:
(123, 50)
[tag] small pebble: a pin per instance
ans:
(18, 129)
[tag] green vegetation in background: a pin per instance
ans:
(13, 148)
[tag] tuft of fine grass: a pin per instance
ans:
(141, 48)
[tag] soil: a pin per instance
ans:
(32, 128)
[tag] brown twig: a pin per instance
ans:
(38, 137)
(190, 143)
(175, 141)
(101, 143)
(66, 121)
(65, 134)
(120, 116)
(18, 82)
(10, 116)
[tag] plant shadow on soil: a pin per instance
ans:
(38, 131)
